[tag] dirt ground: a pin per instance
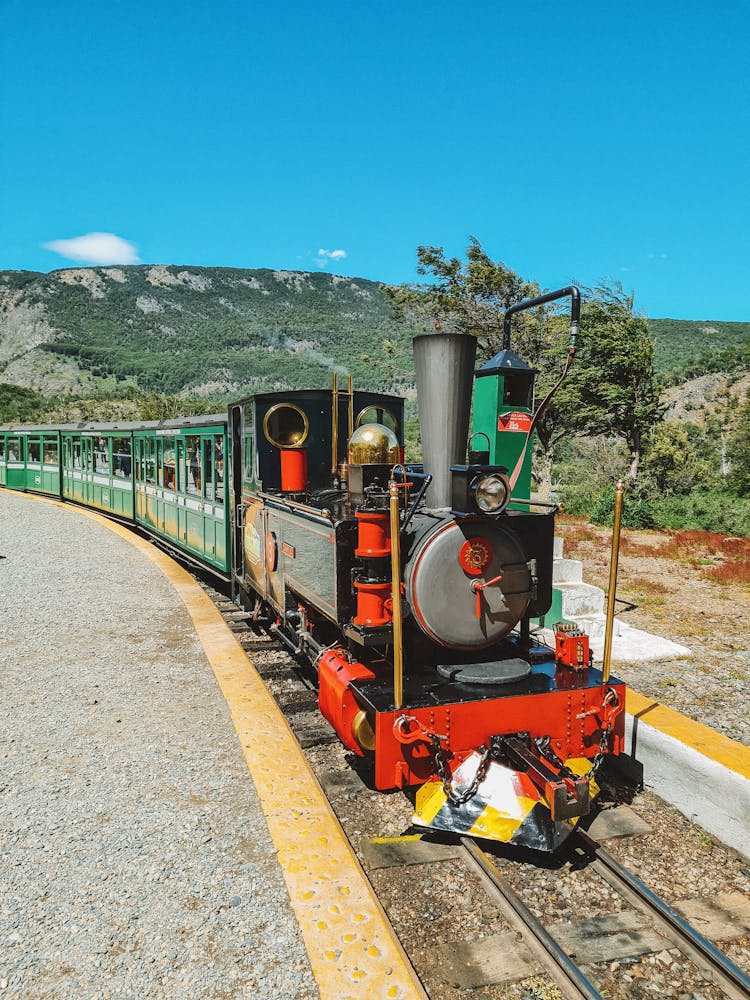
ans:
(692, 587)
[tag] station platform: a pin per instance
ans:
(162, 835)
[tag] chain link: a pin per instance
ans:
(601, 754)
(459, 798)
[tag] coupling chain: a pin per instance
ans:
(545, 750)
(601, 753)
(459, 798)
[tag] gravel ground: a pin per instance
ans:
(134, 857)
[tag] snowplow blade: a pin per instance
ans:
(507, 806)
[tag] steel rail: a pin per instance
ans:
(555, 960)
(713, 963)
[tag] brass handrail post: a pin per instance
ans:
(398, 638)
(334, 423)
(614, 558)
(350, 412)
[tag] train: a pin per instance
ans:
(416, 591)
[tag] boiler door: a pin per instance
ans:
(452, 587)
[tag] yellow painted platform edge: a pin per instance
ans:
(351, 945)
(706, 741)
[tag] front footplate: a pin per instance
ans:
(520, 799)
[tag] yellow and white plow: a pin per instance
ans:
(535, 807)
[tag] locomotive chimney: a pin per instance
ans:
(444, 366)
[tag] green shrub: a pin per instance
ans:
(704, 510)
(578, 498)
(637, 508)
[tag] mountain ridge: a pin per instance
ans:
(218, 332)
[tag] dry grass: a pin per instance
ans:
(643, 584)
(730, 573)
(692, 545)
(576, 532)
(722, 560)
(630, 546)
(644, 591)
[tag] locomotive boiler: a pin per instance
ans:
(415, 590)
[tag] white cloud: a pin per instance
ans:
(96, 248)
(658, 256)
(325, 255)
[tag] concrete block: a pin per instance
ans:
(620, 821)
(390, 852)
(580, 599)
(567, 571)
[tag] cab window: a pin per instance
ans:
(219, 464)
(168, 463)
(149, 460)
(51, 451)
(100, 450)
(208, 466)
(139, 459)
(248, 447)
(179, 464)
(193, 464)
(121, 457)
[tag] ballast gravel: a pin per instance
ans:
(135, 861)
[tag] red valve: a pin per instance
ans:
(478, 587)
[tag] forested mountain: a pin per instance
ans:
(203, 331)
(686, 348)
(220, 332)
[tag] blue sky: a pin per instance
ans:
(577, 141)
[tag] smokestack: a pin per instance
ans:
(444, 366)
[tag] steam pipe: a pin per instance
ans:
(561, 293)
(426, 480)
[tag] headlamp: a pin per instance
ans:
(491, 493)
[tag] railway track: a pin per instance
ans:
(295, 692)
(567, 974)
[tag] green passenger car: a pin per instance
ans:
(97, 467)
(179, 485)
(30, 459)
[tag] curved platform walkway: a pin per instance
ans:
(138, 858)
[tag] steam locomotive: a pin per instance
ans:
(412, 589)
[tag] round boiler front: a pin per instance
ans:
(467, 583)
